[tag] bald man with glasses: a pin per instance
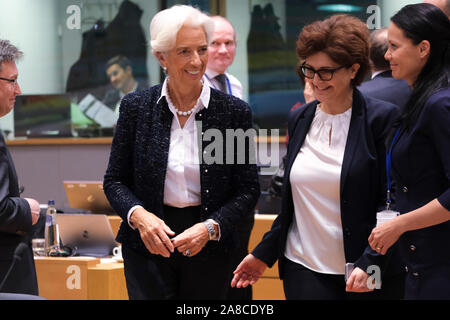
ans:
(221, 53)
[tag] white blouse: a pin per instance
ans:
(182, 183)
(315, 237)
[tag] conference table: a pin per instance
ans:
(89, 278)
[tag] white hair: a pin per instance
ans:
(166, 24)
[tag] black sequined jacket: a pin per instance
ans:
(138, 162)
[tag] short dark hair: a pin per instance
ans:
(378, 47)
(8, 52)
(342, 37)
(122, 61)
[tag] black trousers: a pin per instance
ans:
(204, 276)
(301, 283)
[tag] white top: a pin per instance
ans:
(315, 237)
(182, 184)
(235, 84)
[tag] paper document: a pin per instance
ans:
(97, 111)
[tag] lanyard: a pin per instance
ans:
(388, 170)
(228, 84)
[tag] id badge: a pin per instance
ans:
(386, 215)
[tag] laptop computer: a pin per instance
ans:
(88, 234)
(87, 195)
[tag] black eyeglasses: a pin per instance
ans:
(12, 81)
(324, 74)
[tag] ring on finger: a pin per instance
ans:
(187, 253)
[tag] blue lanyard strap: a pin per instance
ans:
(228, 84)
(388, 169)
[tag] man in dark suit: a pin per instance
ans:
(17, 215)
(383, 86)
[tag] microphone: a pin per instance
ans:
(18, 252)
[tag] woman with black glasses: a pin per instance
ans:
(334, 177)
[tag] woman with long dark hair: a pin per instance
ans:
(419, 52)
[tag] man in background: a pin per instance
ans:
(120, 74)
(221, 53)
(382, 85)
(444, 5)
(17, 215)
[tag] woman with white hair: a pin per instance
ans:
(179, 212)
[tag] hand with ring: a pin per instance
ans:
(192, 240)
(385, 235)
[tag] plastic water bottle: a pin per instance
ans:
(52, 246)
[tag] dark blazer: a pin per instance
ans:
(421, 167)
(15, 227)
(362, 181)
(138, 163)
(384, 87)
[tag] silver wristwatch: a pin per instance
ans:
(211, 231)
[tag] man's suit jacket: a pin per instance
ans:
(362, 186)
(138, 163)
(384, 87)
(15, 227)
